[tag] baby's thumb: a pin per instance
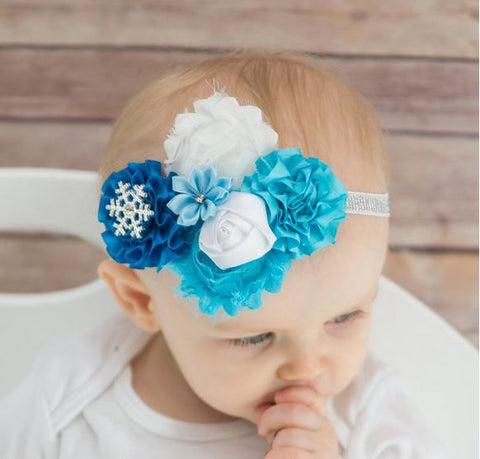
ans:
(261, 409)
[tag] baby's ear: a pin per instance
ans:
(131, 293)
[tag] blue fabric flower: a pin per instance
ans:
(305, 200)
(231, 288)
(199, 194)
(140, 229)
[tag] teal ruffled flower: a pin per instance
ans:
(198, 195)
(231, 289)
(305, 201)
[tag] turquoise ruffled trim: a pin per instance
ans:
(232, 288)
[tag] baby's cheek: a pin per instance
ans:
(227, 379)
(346, 367)
(230, 396)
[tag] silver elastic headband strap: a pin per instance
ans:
(368, 204)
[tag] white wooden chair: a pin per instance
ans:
(438, 363)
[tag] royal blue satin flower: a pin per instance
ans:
(233, 288)
(139, 228)
(305, 201)
(198, 195)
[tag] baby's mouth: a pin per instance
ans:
(265, 402)
(269, 399)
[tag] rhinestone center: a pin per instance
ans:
(129, 209)
(200, 198)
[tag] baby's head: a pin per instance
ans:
(315, 330)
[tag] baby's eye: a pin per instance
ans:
(255, 340)
(251, 340)
(345, 317)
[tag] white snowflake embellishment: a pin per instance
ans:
(129, 209)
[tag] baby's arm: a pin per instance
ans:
(390, 425)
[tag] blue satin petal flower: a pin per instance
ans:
(141, 232)
(305, 200)
(198, 195)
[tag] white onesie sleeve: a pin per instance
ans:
(390, 426)
(25, 427)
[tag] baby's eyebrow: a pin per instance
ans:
(239, 329)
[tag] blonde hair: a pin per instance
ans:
(308, 106)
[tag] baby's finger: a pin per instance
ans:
(261, 409)
(285, 415)
(284, 452)
(305, 395)
(296, 438)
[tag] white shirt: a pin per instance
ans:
(78, 402)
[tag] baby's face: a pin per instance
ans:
(315, 331)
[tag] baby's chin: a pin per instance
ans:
(250, 418)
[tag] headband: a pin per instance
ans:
(231, 212)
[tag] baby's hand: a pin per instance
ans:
(297, 426)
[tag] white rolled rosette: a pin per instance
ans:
(220, 132)
(238, 233)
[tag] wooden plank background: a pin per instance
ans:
(69, 66)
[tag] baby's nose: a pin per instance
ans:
(302, 368)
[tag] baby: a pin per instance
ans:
(245, 276)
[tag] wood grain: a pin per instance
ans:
(446, 281)
(436, 28)
(39, 262)
(434, 191)
(410, 95)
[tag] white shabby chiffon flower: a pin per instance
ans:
(220, 132)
